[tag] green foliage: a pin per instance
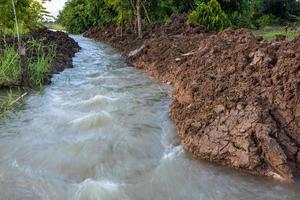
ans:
(39, 66)
(10, 73)
(38, 71)
(74, 17)
(162, 10)
(29, 12)
(268, 12)
(57, 27)
(6, 32)
(6, 101)
(9, 66)
(10, 100)
(209, 15)
(79, 15)
(272, 32)
(123, 10)
(268, 20)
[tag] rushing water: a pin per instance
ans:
(102, 131)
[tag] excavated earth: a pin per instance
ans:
(236, 98)
(63, 46)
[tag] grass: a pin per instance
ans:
(8, 101)
(57, 27)
(9, 67)
(38, 71)
(10, 73)
(12, 32)
(38, 66)
(271, 33)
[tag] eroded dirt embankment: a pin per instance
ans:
(236, 97)
(65, 47)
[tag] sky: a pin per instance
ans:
(54, 6)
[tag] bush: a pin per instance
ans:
(241, 20)
(9, 66)
(209, 15)
(268, 20)
(40, 57)
(38, 71)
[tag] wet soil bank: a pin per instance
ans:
(236, 98)
(64, 49)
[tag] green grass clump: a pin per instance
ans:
(9, 101)
(38, 65)
(38, 71)
(4, 31)
(9, 67)
(57, 27)
(273, 32)
(39, 58)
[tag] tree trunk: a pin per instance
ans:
(24, 67)
(139, 18)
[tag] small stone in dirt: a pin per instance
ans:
(219, 108)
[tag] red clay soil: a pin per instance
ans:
(236, 98)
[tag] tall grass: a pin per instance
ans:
(40, 57)
(39, 66)
(9, 67)
(38, 71)
(57, 27)
(272, 32)
(8, 101)
(11, 32)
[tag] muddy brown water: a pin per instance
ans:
(102, 131)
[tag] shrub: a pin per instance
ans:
(9, 66)
(38, 71)
(268, 20)
(209, 15)
(39, 59)
(39, 64)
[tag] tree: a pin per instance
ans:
(139, 17)
(29, 12)
(284, 9)
(209, 15)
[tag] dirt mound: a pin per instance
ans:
(65, 47)
(128, 41)
(236, 97)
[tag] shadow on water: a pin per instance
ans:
(102, 131)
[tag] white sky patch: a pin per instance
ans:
(54, 6)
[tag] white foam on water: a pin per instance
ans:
(98, 101)
(99, 190)
(172, 152)
(92, 121)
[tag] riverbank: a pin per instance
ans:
(236, 96)
(54, 47)
(47, 53)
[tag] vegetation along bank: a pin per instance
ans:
(47, 52)
(30, 61)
